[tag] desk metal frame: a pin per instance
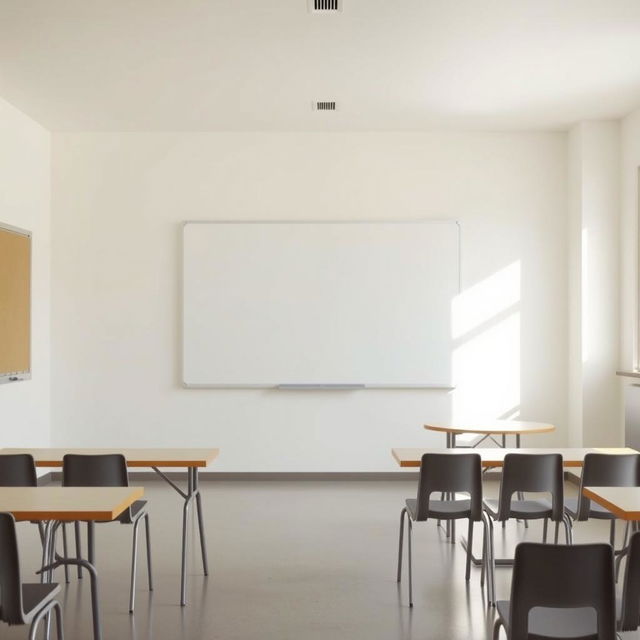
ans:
(153, 458)
(192, 493)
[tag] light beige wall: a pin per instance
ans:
(594, 277)
(25, 202)
(118, 203)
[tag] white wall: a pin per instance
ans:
(25, 203)
(630, 182)
(118, 202)
(574, 254)
(630, 164)
(595, 415)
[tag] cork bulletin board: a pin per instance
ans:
(15, 304)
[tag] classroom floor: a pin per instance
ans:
(289, 560)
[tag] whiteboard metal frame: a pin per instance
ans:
(315, 386)
(19, 376)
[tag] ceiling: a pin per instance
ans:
(204, 65)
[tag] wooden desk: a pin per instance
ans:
(488, 429)
(53, 505)
(67, 504)
(412, 457)
(191, 458)
(135, 457)
(624, 502)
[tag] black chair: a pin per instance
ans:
(108, 470)
(446, 473)
(560, 591)
(603, 470)
(19, 470)
(526, 473)
(22, 603)
(629, 606)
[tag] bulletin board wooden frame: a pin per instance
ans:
(15, 304)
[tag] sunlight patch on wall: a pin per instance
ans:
(585, 295)
(483, 301)
(486, 355)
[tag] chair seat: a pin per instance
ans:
(596, 511)
(521, 509)
(442, 509)
(35, 596)
(544, 623)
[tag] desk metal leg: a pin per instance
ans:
(52, 561)
(192, 493)
(93, 574)
(91, 542)
(203, 543)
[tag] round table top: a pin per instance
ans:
(495, 427)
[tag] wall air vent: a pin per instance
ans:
(325, 6)
(325, 105)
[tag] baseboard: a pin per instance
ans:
(56, 476)
(265, 476)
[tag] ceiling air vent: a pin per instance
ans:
(325, 6)
(324, 105)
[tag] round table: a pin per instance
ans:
(489, 429)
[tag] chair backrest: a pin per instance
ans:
(450, 472)
(105, 470)
(606, 470)
(563, 576)
(630, 613)
(526, 472)
(10, 584)
(18, 470)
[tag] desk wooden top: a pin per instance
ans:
(67, 503)
(135, 457)
(495, 457)
(624, 502)
(495, 427)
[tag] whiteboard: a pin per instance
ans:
(296, 304)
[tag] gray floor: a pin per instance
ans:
(312, 560)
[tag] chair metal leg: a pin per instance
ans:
(521, 497)
(442, 495)
(59, 626)
(555, 537)
(400, 541)
(409, 531)
(65, 550)
(76, 527)
(467, 574)
(496, 629)
(134, 558)
(621, 553)
(545, 526)
(148, 535)
(44, 613)
(484, 553)
(568, 529)
(93, 576)
(491, 588)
